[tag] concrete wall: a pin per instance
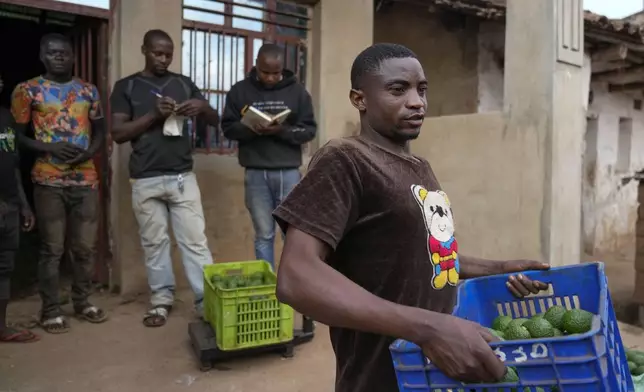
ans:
(491, 56)
(447, 48)
(228, 228)
(333, 45)
(609, 206)
(479, 164)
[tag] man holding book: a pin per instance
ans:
(271, 116)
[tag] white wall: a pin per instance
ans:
(609, 209)
(609, 206)
(490, 66)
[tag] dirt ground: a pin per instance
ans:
(122, 355)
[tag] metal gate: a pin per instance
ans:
(220, 43)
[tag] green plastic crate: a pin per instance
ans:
(246, 317)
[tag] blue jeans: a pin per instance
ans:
(156, 200)
(265, 190)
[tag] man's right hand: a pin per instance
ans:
(165, 106)
(460, 349)
(64, 151)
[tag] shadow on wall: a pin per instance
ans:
(351, 128)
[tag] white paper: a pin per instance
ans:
(173, 125)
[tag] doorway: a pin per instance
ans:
(21, 29)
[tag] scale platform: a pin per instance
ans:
(204, 344)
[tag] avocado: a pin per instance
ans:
(510, 375)
(498, 334)
(577, 321)
(638, 371)
(517, 322)
(501, 322)
(540, 328)
(635, 356)
(632, 354)
(639, 360)
(554, 315)
(216, 278)
(517, 332)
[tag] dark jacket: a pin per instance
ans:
(279, 151)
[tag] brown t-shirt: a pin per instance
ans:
(391, 231)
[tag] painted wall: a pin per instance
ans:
(609, 209)
(444, 47)
(610, 206)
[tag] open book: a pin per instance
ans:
(255, 117)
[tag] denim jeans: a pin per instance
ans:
(176, 198)
(65, 212)
(265, 190)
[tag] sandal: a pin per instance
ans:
(157, 316)
(55, 325)
(11, 335)
(92, 314)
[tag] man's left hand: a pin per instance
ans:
(191, 107)
(270, 130)
(80, 158)
(519, 284)
(28, 219)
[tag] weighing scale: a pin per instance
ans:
(204, 344)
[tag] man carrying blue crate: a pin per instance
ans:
(370, 247)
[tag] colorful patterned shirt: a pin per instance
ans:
(59, 112)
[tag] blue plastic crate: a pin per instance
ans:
(591, 362)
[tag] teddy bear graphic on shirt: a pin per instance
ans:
(441, 244)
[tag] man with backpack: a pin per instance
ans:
(144, 106)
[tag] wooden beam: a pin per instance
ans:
(635, 58)
(610, 54)
(598, 68)
(623, 88)
(604, 36)
(621, 76)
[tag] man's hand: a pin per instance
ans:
(28, 219)
(460, 349)
(519, 284)
(271, 129)
(83, 157)
(191, 107)
(65, 151)
(165, 106)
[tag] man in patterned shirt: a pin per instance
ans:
(69, 129)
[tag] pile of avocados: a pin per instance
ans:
(635, 362)
(240, 281)
(555, 322)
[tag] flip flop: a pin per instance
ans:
(12, 335)
(92, 314)
(157, 316)
(55, 325)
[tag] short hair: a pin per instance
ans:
(271, 50)
(54, 37)
(152, 35)
(370, 59)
